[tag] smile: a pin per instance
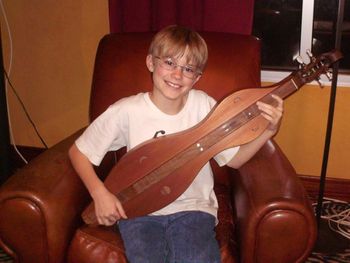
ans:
(172, 84)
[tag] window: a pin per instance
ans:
(290, 27)
(324, 26)
(278, 24)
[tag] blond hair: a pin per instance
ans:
(174, 41)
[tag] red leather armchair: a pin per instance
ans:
(264, 213)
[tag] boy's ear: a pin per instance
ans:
(149, 63)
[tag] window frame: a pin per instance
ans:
(306, 44)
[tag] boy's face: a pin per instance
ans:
(171, 84)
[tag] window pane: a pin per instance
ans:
(278, 24)
(325, 20)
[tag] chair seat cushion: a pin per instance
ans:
(104, 244)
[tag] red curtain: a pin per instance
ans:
(235, 16)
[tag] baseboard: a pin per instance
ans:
(334, 187)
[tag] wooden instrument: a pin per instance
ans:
(156, 172)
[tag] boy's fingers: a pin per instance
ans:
(280, 102)
(120, 210)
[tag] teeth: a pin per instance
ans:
(173, 85)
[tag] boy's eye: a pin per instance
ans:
(169, 62)
(189, 69)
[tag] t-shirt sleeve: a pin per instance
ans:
(226, 155)
(105, 133)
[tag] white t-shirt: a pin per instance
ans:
(135, 119)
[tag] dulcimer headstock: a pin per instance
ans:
(317, 66)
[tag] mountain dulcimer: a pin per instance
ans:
(156, 172)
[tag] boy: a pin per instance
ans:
(183, 231)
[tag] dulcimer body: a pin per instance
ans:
(155, 173)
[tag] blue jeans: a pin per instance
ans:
(184, 237)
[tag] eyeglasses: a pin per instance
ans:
(188, 71)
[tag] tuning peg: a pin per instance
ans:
(329, 75)
(309, 53)
(319, 82)
(300, 60)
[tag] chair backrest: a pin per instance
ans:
(120, 69)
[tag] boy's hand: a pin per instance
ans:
(272, 114)
(108, 208)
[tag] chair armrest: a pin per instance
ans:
(41, 206)
(275, 220)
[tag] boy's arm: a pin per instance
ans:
(108, 208)
(247, 151)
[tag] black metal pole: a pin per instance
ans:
(5, 169)
(338, 35)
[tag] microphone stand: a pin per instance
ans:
(330, 112)
(323, 240)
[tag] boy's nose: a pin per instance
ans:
(177, 72)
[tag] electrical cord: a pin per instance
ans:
(6, 89)
(338, 222)
(25, 110)
(9, 69)
(342, 222)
